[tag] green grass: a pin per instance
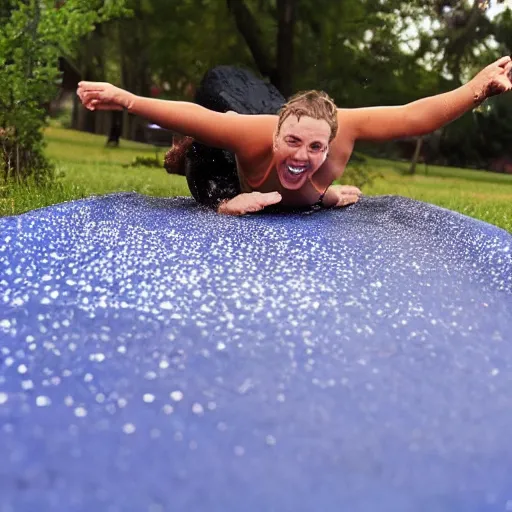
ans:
(85, 161)
(86, 167)
(484, 195)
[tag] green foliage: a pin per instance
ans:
(33, 35)
(359, 174)
(146, 161)
(494, 121)
(363, 52)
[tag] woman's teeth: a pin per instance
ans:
(297, 170)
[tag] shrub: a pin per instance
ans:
(33, 35)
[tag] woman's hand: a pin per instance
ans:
(494, 79)
(249, 203)
(345, 195)
(104, 96)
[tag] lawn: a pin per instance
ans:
(86, 167)
(484, 195)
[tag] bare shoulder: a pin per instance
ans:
(343, 144)
(254, 134)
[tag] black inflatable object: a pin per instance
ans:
(211, 173)
(157, 356)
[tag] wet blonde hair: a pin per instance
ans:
(315, 104)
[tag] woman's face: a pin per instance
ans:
(300, 148)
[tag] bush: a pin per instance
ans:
(33, 35)
(359, 174)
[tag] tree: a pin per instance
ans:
(33, 35)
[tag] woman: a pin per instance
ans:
(294, 157)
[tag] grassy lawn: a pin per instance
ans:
(85, 161)
(480, 194)
(86, 167)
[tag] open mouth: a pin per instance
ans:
(297, 170)
(293, 176)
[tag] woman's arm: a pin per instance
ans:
(211, 128)
(231, 132)
(428, 114)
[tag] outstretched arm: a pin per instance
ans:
(206, 126)
(428, 114)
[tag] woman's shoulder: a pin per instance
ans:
(255, 135)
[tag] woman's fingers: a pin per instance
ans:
(89, 96)
(348, 199)
(96, 105)
(269, 198)
(350, 189)
(508, 70)
(503, 61)
(92, 86)
(107, 106)
(347, 189)
(91, 91)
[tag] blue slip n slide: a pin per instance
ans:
(157, 356)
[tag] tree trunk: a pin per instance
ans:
(416, 156)
(100, 117)
(477, 26)
(135, 75)
(285, 31)
(278, 69)
(249, 29)
(85, 119)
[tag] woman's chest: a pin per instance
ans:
(264, 178)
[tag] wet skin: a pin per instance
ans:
(298, 162)
(287, 167)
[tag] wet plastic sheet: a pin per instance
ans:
(158, 356)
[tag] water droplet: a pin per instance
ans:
(197, 409)
(43, 401)
(176, 396)
(270, 440)
(99, 358)
(129, 428)
(27, 384)
(80, 412)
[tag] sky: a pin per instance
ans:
(496, 8)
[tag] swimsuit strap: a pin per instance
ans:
(319, 203)
(325, 192)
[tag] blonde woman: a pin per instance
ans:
(293, 158)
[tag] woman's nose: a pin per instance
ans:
(301, 153)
